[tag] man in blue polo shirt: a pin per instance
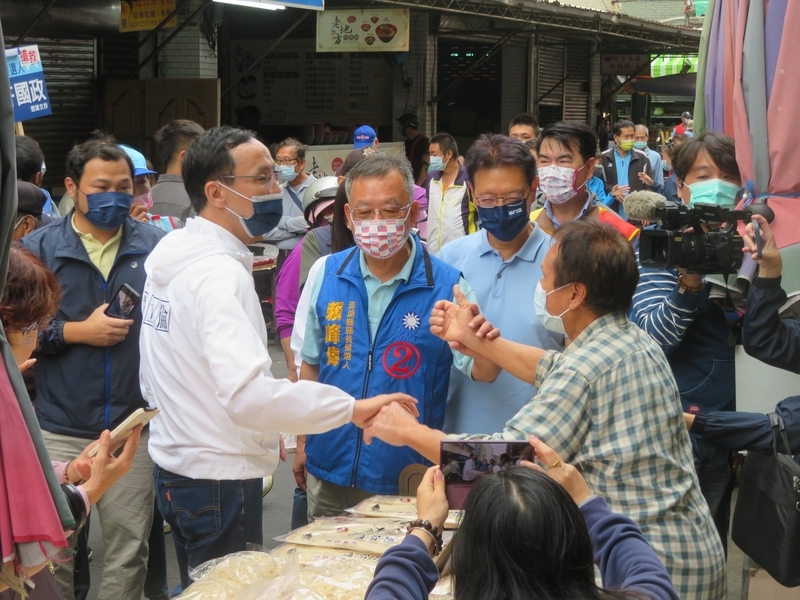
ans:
(503, 263)
(367, 330)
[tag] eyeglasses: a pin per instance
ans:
(286, 161)
(387, 212)
(501, 201)
(260, 179)
(33, 326)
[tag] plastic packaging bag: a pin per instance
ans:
(312, 554)
(224, 578)
(398, 507)
(356, 534)
(339, 579)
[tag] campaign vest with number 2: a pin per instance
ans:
(405, 357)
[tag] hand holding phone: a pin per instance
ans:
(124, 302)
(140, 416)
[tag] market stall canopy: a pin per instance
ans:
(673, 85)
(673, 64)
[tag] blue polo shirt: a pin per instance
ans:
(504, 291)
(623, 163)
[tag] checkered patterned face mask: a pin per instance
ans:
(381, 238)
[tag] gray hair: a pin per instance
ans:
(379, 164)
(640, 127)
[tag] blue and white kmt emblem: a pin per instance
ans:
(411, 321)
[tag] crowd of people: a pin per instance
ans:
(432, 296)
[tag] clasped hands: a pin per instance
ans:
(459, 323)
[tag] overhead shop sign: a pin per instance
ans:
(145, 15)
(624, 64)
(28, 88)
(378, 30)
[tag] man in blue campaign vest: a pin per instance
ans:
(367, 330)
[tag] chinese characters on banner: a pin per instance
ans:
(145, 15)
(624, 64)
(378, 30)
(28, 88)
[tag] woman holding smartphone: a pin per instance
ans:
(527, 533)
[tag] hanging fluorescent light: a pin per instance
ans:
(253, 4)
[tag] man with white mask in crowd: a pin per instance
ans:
(290, 164)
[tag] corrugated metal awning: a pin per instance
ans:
(673, 64)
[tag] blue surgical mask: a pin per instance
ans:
(436, 163)
(107, 210)
(286, 172)
(504, 222)
(267, 213)
(640, 145)
(714, 191)
(550, 322)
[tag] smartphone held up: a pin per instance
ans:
(464, 463)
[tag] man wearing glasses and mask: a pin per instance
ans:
(367, 332)
(290, 164)
(502, 262)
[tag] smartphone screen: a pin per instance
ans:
(124, 303)
(464, 463)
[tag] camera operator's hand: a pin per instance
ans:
(770, 262)
(690, 279)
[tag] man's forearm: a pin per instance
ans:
(518, 359)
(73, 332)
(426, 441)
(485, 371)
(309, 372)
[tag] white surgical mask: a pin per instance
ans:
(558, 183)
(551, 322)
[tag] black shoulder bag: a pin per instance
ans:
(766, 520)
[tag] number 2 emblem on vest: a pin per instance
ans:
(401, 360)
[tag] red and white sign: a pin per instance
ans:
(624, 64)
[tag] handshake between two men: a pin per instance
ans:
(467, 331)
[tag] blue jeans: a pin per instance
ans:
(713, 471)
(299, 509)
(209, 518)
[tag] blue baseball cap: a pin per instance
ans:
(363, 136)
(138, 160)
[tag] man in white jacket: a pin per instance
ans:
(204, 359)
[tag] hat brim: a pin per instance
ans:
(138, 172)
(319, 208)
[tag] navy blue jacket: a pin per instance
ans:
(82, 390)
(404, 357)
(776, 342)
(765, 335)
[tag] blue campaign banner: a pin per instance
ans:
(28, 87)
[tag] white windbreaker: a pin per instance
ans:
(204, 363)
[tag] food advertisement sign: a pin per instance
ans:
(145, 15)
(378, 30)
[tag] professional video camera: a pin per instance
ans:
(670, 245)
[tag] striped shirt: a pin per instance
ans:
(610, 405)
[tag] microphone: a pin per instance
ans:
(644, 205)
